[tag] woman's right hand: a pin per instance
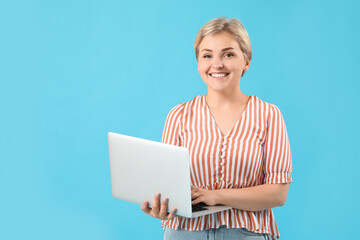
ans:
(159, 210)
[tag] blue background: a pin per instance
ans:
(73, 70)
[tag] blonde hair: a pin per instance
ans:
(221, 24)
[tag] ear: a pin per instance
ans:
(247, 65)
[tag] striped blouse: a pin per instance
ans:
(256, 151)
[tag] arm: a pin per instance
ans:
(255, 198)
(277, 170)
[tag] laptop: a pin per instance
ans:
(141, 168)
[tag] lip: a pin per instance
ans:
(226, 74)
(218, 72)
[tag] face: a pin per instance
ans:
(221, 62)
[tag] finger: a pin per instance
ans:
(197, 200)
(172, 214)
(163, 209)
(145, 207)
(195, 195)
(156, 206)
(194, 189)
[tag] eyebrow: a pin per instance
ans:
(224, 49)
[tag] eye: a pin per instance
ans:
(229, 55)
(206, 56)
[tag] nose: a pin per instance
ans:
(218, 63)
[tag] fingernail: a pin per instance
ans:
(143, 204)
(158, 194)
(165, 200)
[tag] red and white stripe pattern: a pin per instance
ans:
(256, 151)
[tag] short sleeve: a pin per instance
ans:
(277, 153)
(171, 131)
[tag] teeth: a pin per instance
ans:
(218, 75)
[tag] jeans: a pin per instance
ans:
(221, 233)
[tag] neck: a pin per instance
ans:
(224, 100)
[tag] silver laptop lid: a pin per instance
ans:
(141, 168)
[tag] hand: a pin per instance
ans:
(202, 195)
(159, 210)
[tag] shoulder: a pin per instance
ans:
(270, 110)
(180, 108)
(263, 103)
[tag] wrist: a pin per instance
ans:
(219, 196)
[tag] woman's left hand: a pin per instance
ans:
(209, 197)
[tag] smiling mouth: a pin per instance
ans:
(218, 75)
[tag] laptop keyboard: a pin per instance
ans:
(199, 207)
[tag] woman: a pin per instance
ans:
(239, 148)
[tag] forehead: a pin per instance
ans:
(219, 41)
